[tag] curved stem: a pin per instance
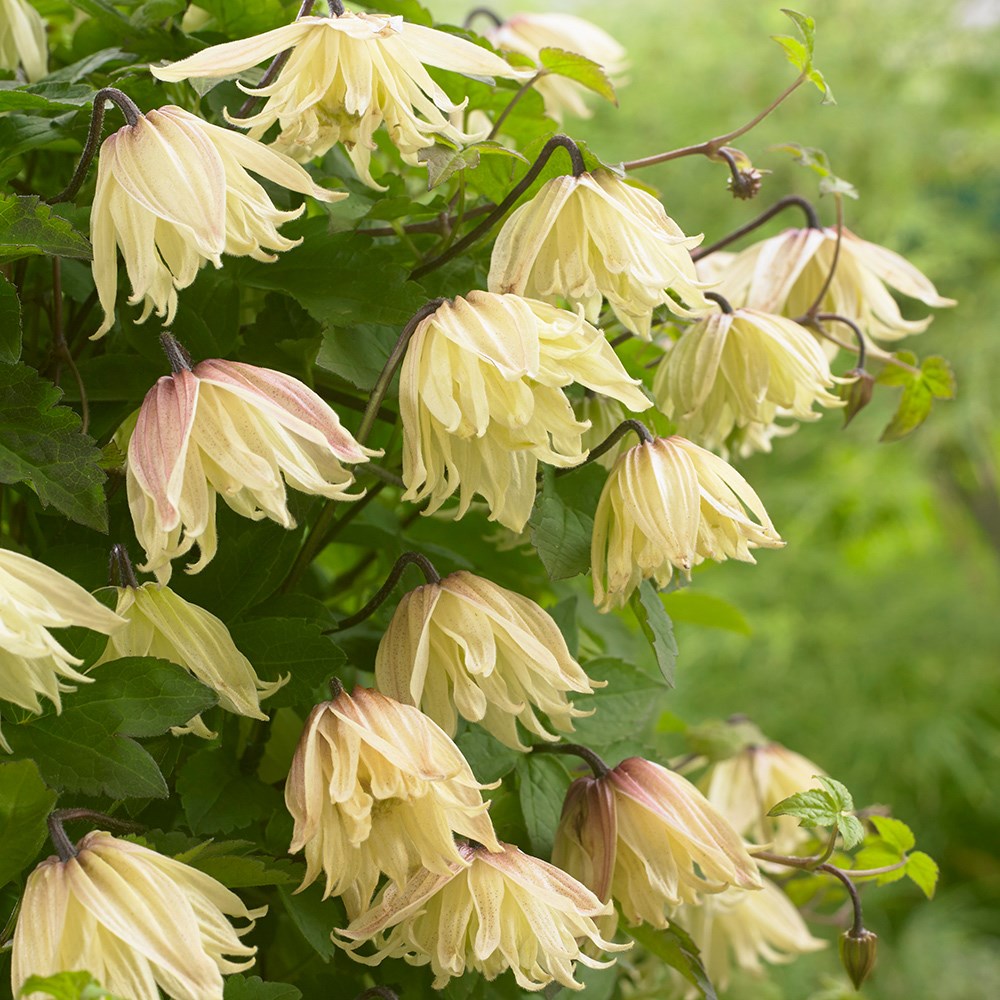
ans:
(177, 355)
(522, 90)
(132, 115)
(721, 301)
(65, 848)
(814, 308)
(482, 12)
(426, 567)
(859, 924)
(595, 763)
(556, 142)
(812, 222)
(637, 427)
(862, 348)
(120, 571)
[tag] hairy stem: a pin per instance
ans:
(637, 427)
(120, 571)
(595, 763)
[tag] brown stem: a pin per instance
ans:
(595, 763)
(426, 567)
(814, 308)
(522, 90)
(721, 301)
(637, 427)
(812, 221)
(482, 12)
(120, 571)
(862, 349)
(65, 847)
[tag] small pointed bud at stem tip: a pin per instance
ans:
(120, 571)
(594, 762)
(426, 567)
(792, 200)
(177, 355)
(721, 300)
(858, 950)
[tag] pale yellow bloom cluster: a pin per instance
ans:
(647, 837)
(22, 39)
(34, 599)
(377, 787)
(345, 77)
(137, 921)
(669, 504)
(234, 430)
(594, 237)
(482, 401)
(741, 371)
(172, 193)
(464, 646)
(528, 34)
(493, 912)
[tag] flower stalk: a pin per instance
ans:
(792, 200)
(406, 559)
(637, 427)
(593, 761)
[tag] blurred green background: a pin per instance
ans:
(875, 643)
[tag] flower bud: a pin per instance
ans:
(857, 955)
(22, 39)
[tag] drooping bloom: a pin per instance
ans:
(22, 39)
(233, 429)
(785, 273)
(482, 402)
(464, 646)
(745, 929)
(162, 624)
(670, 504)
(173, 192)
(530, 33)
(587, 238)
(347, 75)
(647, 837)
(745, 786)
(491, 913)
(376, 786)
(137, 921)
(731, 371)
(34, 599)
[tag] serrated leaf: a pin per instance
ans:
(852, 831)
(25, 803)
(444, 161)
(41, 444)
(800, 51)
(562, 522)
(819, 163)
(29, 227)
(675, 947)
(923, 870)
(43, 97)
(89, 747)
(895, 833)
(357, 353)
(938, 377)
(831, 806)
(709, 610)
(913, 409)
(657, 628)
(315, 917)
(66, 986)
(897, 374)
(580, 69)
(487, 756)
(541, 787)
(10, 323)
(241, 987)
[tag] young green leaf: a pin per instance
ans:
(923, 870)
(656, 627)
(66, 986)
(799, 51)
(25, 803)
(579, 68)
(933, 380)
(819, 163)
(443, 162)
(831, 806)
(541, 781)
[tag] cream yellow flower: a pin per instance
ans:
(647, 837)
(376, 786)
(668, 503)
(731, 371)
(137, 921)
(347, 75)
(530, 33)
(22, 39)
(745, 929)
(233, 429)
(173, 192)
(784, 275)
(481, 398)
(495, 912)
(162, 624)
(464, 646)
(587, 238)
(34, 599)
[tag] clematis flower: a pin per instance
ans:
(347, 75)
(784, 275)
(647, 837)
(233, 429)
(137, 921)
(528, 34)
(742, 369)
(587, 238)
(376, 786)
(34, 599)
(464, 646)
(22, 39)
(669, 504)
(173, 192)
(494, 912)
(745, 929)
(481, 398)
(162, 624)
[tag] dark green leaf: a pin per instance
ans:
(656, 627)
(58, 97)
(29, 227)
(697, 608)
(675, 947)
(315, 917)
(21, 133)
(579, 68)
(445, 161)
(241, 987)
(357, 353)
(564, 615)
(563, 520)
(487, 756)
(41, 444)
(239, 18)
(542, 781)
(25, 803)
(923, 870)
(10, 323)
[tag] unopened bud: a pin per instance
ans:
(857, 394)
(857, 955)
(746, 184)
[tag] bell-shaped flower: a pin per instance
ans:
(464, 646)
(33, 599)
(744, 929)
(481, 395)
(22, 39)
(233, 429)
(347, 75)
(647, 837)
(375, 786)
(528, 34)
(785, 273)
(593, 237)
(493, 912)
(162, 624)
(137, 921)
(173, 192)
(731, 371)
(745, 786)
(669, 504)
